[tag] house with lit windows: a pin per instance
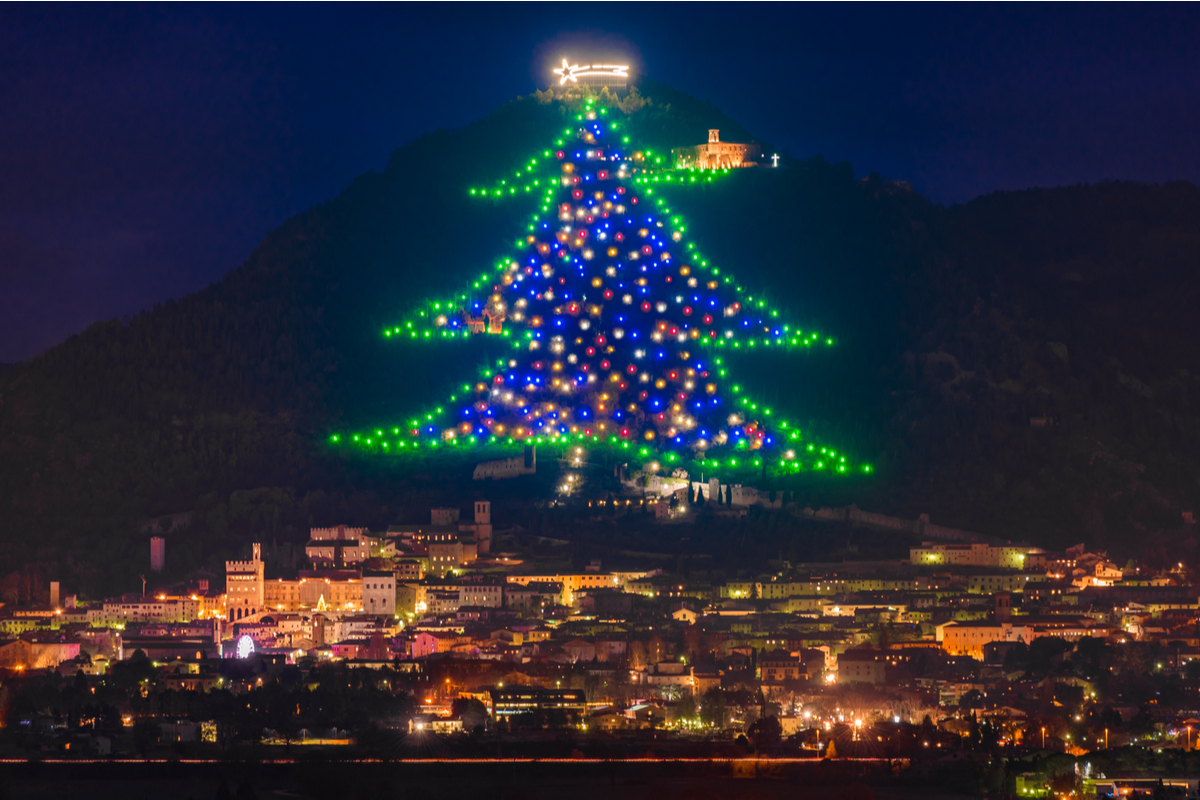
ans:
(779, 665)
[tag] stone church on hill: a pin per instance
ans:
(716, 154)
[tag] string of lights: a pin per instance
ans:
(616, 324)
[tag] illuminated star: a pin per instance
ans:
(567, 73)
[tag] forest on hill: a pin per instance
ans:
(1025, 364)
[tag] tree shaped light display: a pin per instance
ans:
(618, 327)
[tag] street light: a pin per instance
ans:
(1043, 737)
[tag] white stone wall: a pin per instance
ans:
(504, 468)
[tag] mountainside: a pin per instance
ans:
(959, 331)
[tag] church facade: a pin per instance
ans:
(716, 154)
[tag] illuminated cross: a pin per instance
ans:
(775, 160)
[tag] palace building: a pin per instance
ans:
(244, 586)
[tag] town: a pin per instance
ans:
(967, 648)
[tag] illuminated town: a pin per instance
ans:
(970, 644)
(838, 440)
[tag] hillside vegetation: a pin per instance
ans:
(955, 328)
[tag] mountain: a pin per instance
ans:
(1023, 364)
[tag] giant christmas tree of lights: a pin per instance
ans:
(617, 325)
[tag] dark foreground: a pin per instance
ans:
(483, 780)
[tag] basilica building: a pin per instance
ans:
(716, 154)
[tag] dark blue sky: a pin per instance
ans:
(145, 150)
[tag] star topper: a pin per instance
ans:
(572, 72)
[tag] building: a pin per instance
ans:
(429, 722)
(667, 673)
(31, 652)
(861, 667)
(525, 464)
(572, 583)
(969, 638)
(609, 603)
(281, 595)
(316, 590)
(1156, 598)
(409, 569)
(526, 600)
(135, 608)
(969, 555)
(703, 681)
(779, 665)
(244, 586)
(441, 601)
(278, 630)
(481, 595)
(715, 154)
(579, 650)
(521, 699)
(409, 538)
(1001, 582)
(407, 597)
(337, 547)
(426, 643)
(445, 557)
(379, 593)
(158, 554)
(174, 645)
(446, 526)
(481, 529)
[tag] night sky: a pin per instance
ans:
(147, 149)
